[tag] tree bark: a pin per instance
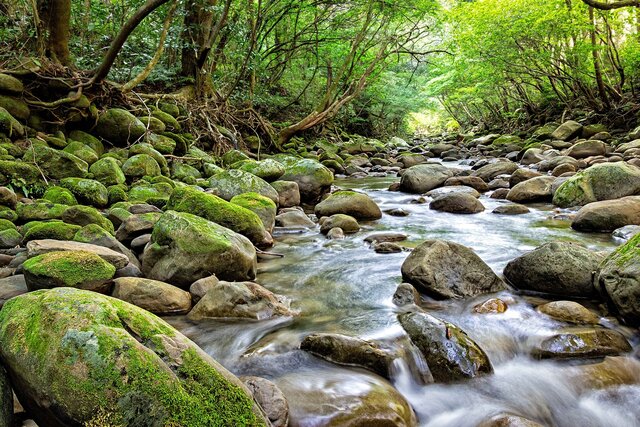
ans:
(55, 17)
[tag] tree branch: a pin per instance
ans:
(610, 6)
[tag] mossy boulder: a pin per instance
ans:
(154, 125)
(117, 193)
(56, 164)
(259, 205)
(230, 183)
(8, 214)
(87, 191)
(59, 195)
(507, 140)
(268, 169)
(149, 150)
(186, 247)
(9, 125)
(85, 215)
(10, 170)
(39, 211)
(56, 230)
(603, 181)
(10, 84)
(170, 122)
(15, 106)
(144, 191)
(312, 177)
(81, 151)
(5, 224)
(358, 205)
(107, 362)
(229, 215)
(76, 269)
(162, 143)
(107, 171)
(87, 139)
(182, 171)
(233, 156)
(450, 354)
(141, 165)
(10, 238)
(618, 278)
(119, 127)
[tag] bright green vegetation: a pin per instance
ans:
(69, 268)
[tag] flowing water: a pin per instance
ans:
(343, 286)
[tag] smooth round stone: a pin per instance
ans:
(569, 311)
(511, 209)
(493, 305)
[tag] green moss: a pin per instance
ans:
(5, 224)
(81, 151)
(107, 170)
(119, 127)
(91, 233)
(163, 144)
(625, 253)
(233, 156)
(8, 214)
(140, 165)
(69, 268)
(56, 164)
(59, 195)
(117, 193)
(87, 191)
(143, 192)
(192, 234)
(87, 139)
(85, 215)
(50, 230)
(170, 122)
(228, 184)
(39, 211)
(10, 170)
(120, 154)
(150, 151)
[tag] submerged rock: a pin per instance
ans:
(347, 223)
(96, 357)
(450, 354)
(582, 343)
(558, 268)
(270, 398)
(445, 269)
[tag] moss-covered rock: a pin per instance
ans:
(10, 238)
(10, 170)
(260, 205)
(182, 171)
(120, 154)
(59, 195)
(56, 164)
(233, 156)
(170, 122)
(228, 184)
(313, 178)
(358, 205)
(56, 230)
(106, 362)
(117, 193)
(87, 191)
(143, 191)
(148, 149)
(39, 211)
(140, 165)
(15, 106)
(268, 169)
(9, 125)
(82, 151)
(107, 171)
(186, 247)
(229, 215)
(76, 269)
(119, 127)
(5, 224)
(87, 139)
(9, 84)
(8, 214)
(163, 144)
(85, 215)
(154, 125)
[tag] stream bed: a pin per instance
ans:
(343, 286)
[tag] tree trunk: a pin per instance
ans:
(55, 17)
(596, 61)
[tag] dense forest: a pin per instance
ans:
(319, 213)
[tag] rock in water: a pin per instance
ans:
(557, 268)
(104, 360)
(270, 398)
(422, 178)
(603, 181)
(358, 205)
(450, 354)
(608, 215)
(460, 203)
(618, 278)
(582, 343)
(157, 297)
(313, 178)
(445, 269)
(185, 248)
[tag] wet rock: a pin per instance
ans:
(386, 237)
(270, 398)
(558, 268)
(500, 193)
(157, 297)
(358, 205)
(625, 233)
(313, 178)
(458, 189)
(499, 182)
(199, 288)
(288, 193)
(445, 269)
(569, 311)
(567, 130)
(425, 177)
(522, 175)
(461, 203)
(95, 356)
(618, 279)
(346, 350)
(492, 170)
(536, 189)
(511, 209)
(294, 218)
(185, 248)
(40, 247)
(397, 212)
(246, 300)
(230, 183)
(406, 294)
(508, 420)
(336, 233)
(493, 305)
(347, 223)
(450, 354)
(12, 286)
(613, 371)
(77, 269)
(387, 248)
(120, 127)
(608, 215)
(474, 182)
(582, 343)
(603, 181)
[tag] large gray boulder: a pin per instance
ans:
(618, 279)
(536, 189)
(492, 170)
(186, 247)
(156, 297)
(558, 268)
(450, 354)
(566, 131)
(358, 205)
(444, 269)
(425, 177)
(608, 215)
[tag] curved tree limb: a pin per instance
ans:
(610, 6)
